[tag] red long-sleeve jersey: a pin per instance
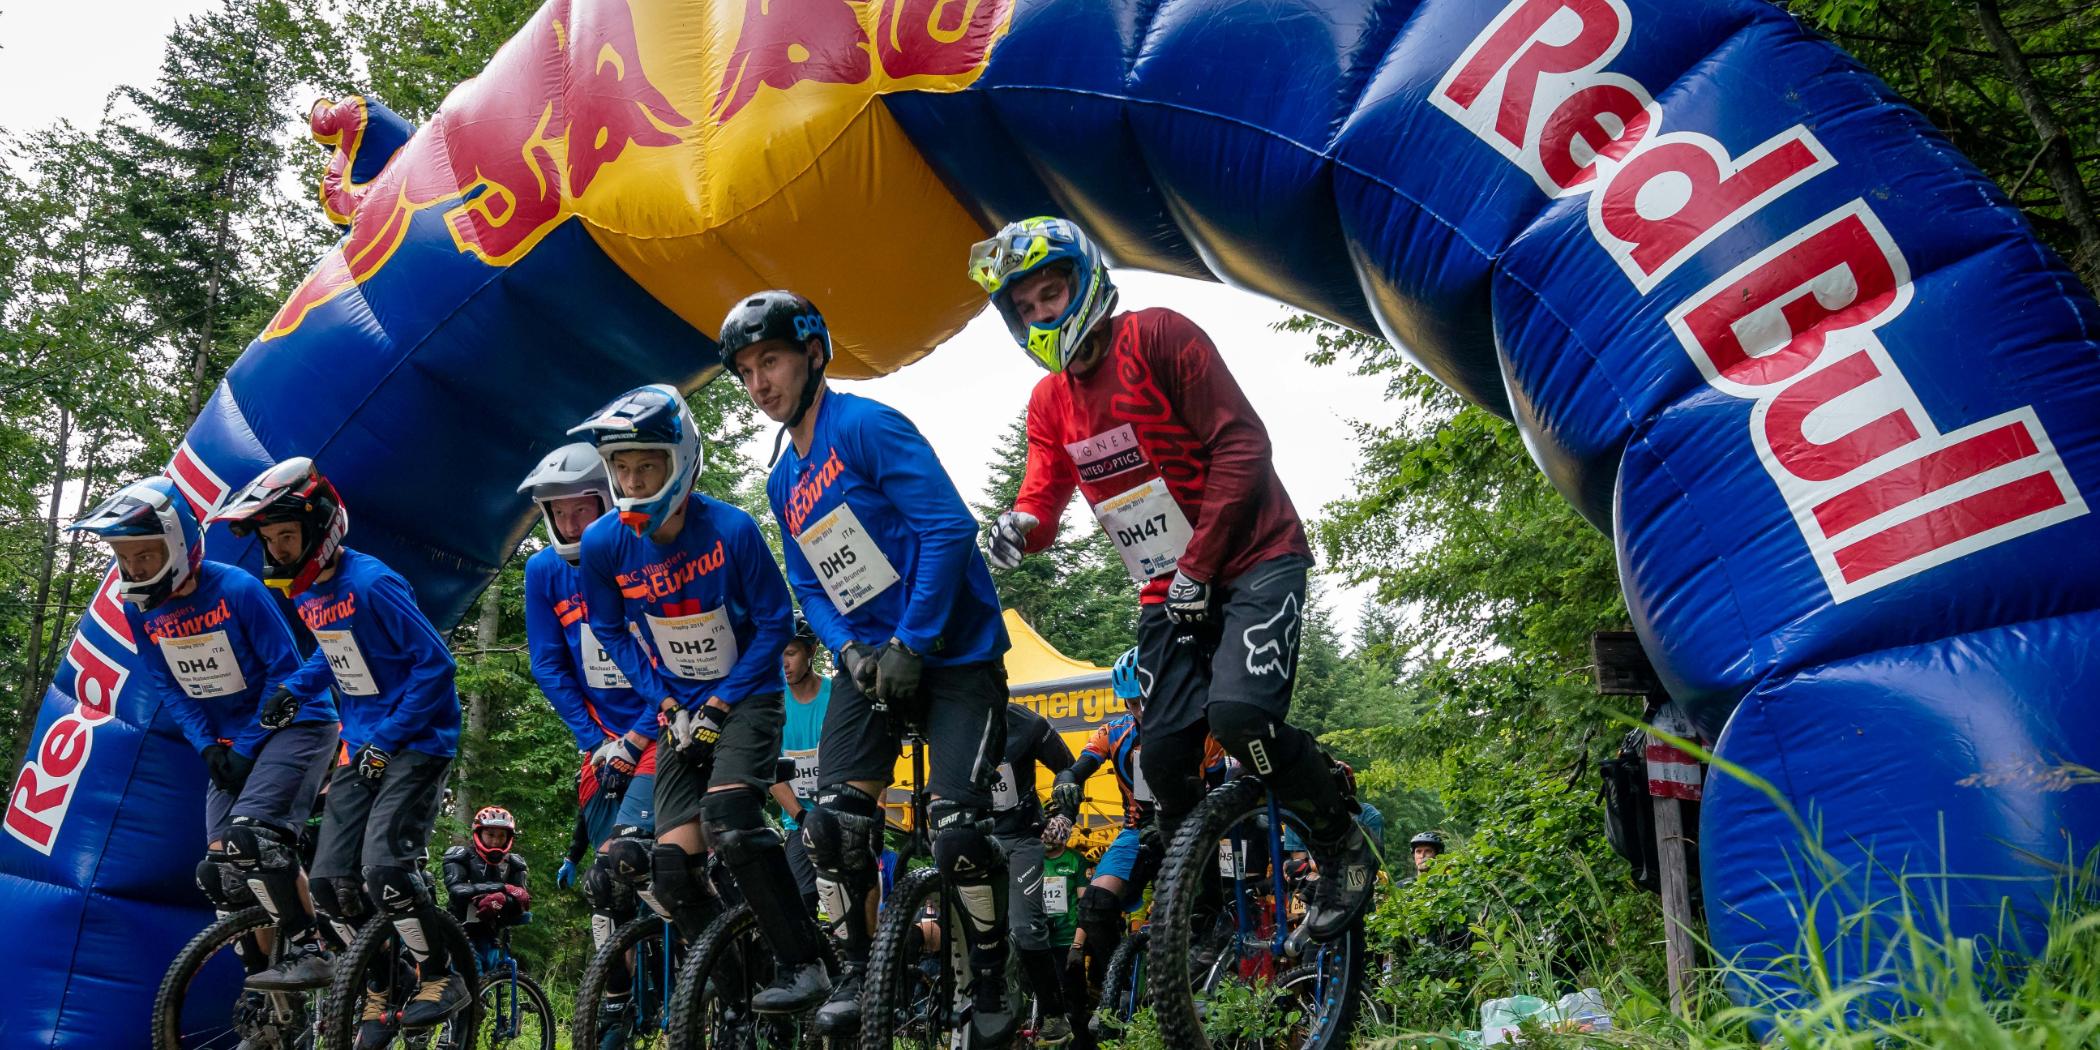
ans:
(1161, 404)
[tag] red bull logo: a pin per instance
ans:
(44, 789)
(1877, 489)
(788, 42)
(504, 164)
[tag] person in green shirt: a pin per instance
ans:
(1065, 874)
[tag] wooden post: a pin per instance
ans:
(1679, 951)
(1622, 669)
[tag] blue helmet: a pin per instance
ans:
(652, 418)
(1021, 248)
(1127, 678)
(150, 509)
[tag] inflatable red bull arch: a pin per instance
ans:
(1838, 407)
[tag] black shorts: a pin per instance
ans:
(1246, 654)
(962, 708)
(370, 823)
(747, 754)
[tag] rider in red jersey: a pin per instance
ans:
(1140, 415)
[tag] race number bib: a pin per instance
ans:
(204, 664)
(1232, 860)
(700, 647)
(599, 670)
(1139, 790)
(347, 662)
(1147, 528)
(805, 781)
(1006, 794)
(845, 559)
(1054, 902)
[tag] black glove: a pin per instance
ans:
(279, 710)
(218, 765)
(858, 661)
(1065, 797)
(897, 671)
(1188, 601)
(372, 762)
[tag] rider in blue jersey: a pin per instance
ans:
(391, 674)
(219, 647)
(594, 699)
(882, 555)
(683, 592)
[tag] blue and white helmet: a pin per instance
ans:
(1021, 248)
(150, 509)
(1127, 678)
(649, 418)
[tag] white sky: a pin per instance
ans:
(62, 58)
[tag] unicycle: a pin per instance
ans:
(1222, 916)
(711, 1006)
(202, 1006)
(377, 968)
(650, 951)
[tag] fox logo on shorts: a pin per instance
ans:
(1272, 643)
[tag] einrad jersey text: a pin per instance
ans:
(1878, 490)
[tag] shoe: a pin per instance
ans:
(375, 1027)
(434, 1001)
(795, 990)
(841, 1012)
(993, 1022)
(1348, 874)
(1055, 1031)
(306, 967)
(615, 1018)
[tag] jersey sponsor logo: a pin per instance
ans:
(1272, 642)
(803, 494)
(1876, 489)
(665, 578)
(184, 626)
(1173, 449)
(319, 612)
(1106, 455)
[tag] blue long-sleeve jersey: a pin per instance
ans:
(880, 544)
(578, 674)
(223, 648)
(709, 609)
(391, 672)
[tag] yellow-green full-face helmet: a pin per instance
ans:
(1022, 248)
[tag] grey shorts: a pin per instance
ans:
(963, 710)
(380, 822)
(289, 769)
(1025, 918)
(747, 754)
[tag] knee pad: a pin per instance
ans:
(963, 848)
(844, 833)
(341, 899)
(256, 846)
(1099, 908)
(627, 858)
(1273, 751)
(673, 878)
(736, 824)
(604, 891)
(1173, 767)
(398, 890)
(222, 884)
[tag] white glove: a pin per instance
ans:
(1009, 539)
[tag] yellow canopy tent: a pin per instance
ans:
(1077, 699)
